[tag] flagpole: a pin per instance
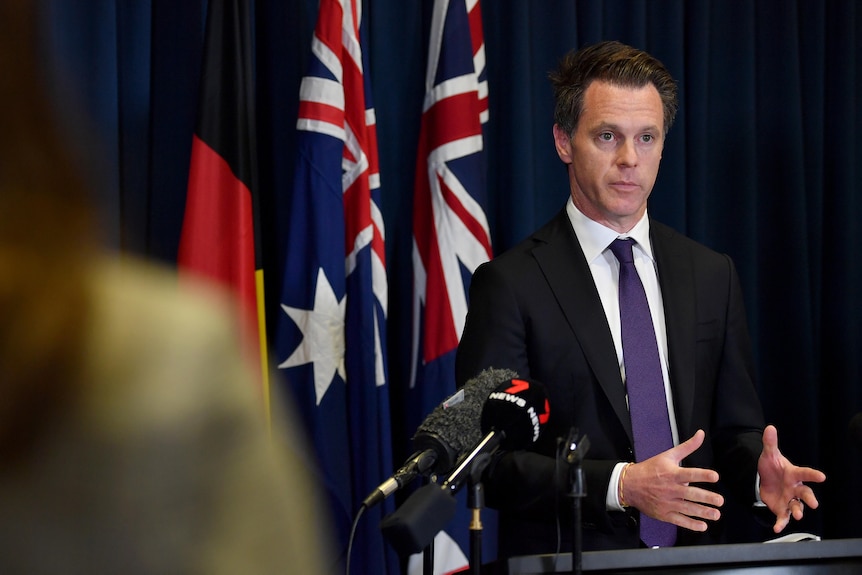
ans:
(264, 351)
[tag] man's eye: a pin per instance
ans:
(606, 136)
(647, 138)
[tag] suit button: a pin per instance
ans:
(631, 453)
(631, 518)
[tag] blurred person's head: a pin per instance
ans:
(46, 236)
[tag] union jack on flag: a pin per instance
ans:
(331, 333)
(451, 237)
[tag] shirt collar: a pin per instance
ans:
(595, 238)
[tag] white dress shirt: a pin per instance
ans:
(605, 269)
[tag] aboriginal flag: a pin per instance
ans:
(219, 228)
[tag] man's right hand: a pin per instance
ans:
(659, 487)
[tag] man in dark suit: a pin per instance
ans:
(548, 309)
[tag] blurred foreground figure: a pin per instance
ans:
(132, 439)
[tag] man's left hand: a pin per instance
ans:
(782, 484)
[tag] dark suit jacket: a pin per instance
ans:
(535, 309)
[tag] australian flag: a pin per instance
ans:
(331, 333)
(450, 231)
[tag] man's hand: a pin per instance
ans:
(660, 488)
(781, 483)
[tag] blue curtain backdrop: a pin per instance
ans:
(764, 162)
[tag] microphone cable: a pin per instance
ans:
(352, 536)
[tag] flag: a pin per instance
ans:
(450, 231)
(218, 238)
(331, 334)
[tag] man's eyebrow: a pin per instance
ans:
(610, 126)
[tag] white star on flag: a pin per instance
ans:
(322, 336)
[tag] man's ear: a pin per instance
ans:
(563, 144)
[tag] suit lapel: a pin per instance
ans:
(563, 264)
(675, 273)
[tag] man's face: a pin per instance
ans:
(615, 152)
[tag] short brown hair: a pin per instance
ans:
(611, 62)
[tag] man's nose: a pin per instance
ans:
(627, 154)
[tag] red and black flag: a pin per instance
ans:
(219, 227)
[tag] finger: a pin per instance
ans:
(697, 511)
(697, 475)
(693, 517)
(703, 496)
(781, 522)
(782, 518)
(806, 496)
(797, 508)
(810, 475)
(691, 522)
(687, 522)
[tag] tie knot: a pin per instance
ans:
(622, 249)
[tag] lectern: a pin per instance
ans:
(831, 557)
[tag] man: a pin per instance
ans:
(549, 310)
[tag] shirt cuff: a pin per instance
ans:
(758, 502)
(612, 501)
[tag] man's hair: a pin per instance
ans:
(614, 63)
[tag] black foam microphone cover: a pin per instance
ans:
(452, 428)
(518, 408)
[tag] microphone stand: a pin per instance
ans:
(476, 502)
(428, 559)
(428, 552)
(574, 451)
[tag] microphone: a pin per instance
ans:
(512, 418)
(449, 431)
(452, 428)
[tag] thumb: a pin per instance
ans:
(770, 440)
(689, 446)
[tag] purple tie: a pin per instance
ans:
(644, 382)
